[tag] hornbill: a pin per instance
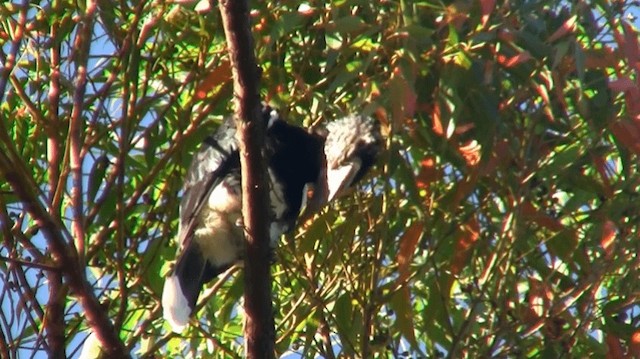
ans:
(211, 234)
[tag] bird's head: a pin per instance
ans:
(351, 147)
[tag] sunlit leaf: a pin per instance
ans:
(218, 76)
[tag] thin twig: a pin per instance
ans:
(10, 61)
(82, 45)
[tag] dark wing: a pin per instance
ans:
(214, 163)
(209, 166)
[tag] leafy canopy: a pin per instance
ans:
(501, 221)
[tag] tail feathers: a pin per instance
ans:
(176, 309)
(182, 288)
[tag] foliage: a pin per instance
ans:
(501, 221)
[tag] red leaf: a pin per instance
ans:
(518, 59)
(601, 167)
(437, 120)
(601, 58)
(463, 189)
(541, 218)
(628, 43)
(486, 7)
(558, 92)
(614, 347)
(408, 244)
(514, 60)
(428, 173)
(506, 35)
(470, 151)
(634, 345)
(463, 128)
(538, 298)
(404, 98)
(217, 76)
(630, 46)
(568, 27)
(456, 15)
(628, 134)
(622, 84)
(501, 59)
(468, 234)
(410, 100)
(499, 156)
(608, 236)
(542, 91)
(397, 95)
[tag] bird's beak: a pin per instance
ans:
(340, 179)
(331, 184)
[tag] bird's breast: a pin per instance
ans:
(224, 198)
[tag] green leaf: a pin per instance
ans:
(349, 24)
(404, 317)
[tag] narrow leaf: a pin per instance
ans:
(408, 244)
(486, 7)
(568, 27)
(216, 77)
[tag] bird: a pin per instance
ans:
(210, 233)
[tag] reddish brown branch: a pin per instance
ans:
(259, 326)
(73, 272)
(54, 322)
(55, 316)
(82, 45)
(4, 347)
(53, 137)
(10, 60)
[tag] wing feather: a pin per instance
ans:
(217, 157)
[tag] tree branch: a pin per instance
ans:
(82, 45)
(55, 316)
(4, 348)
(10, 61)
(259, 326)
(64, 256)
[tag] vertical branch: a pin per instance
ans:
(54, 320)
(259, 327)
(53, 140)
(130, 80)
(4, 348)
(83, 44)
(55, 315)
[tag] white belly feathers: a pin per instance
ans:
(221, 235)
